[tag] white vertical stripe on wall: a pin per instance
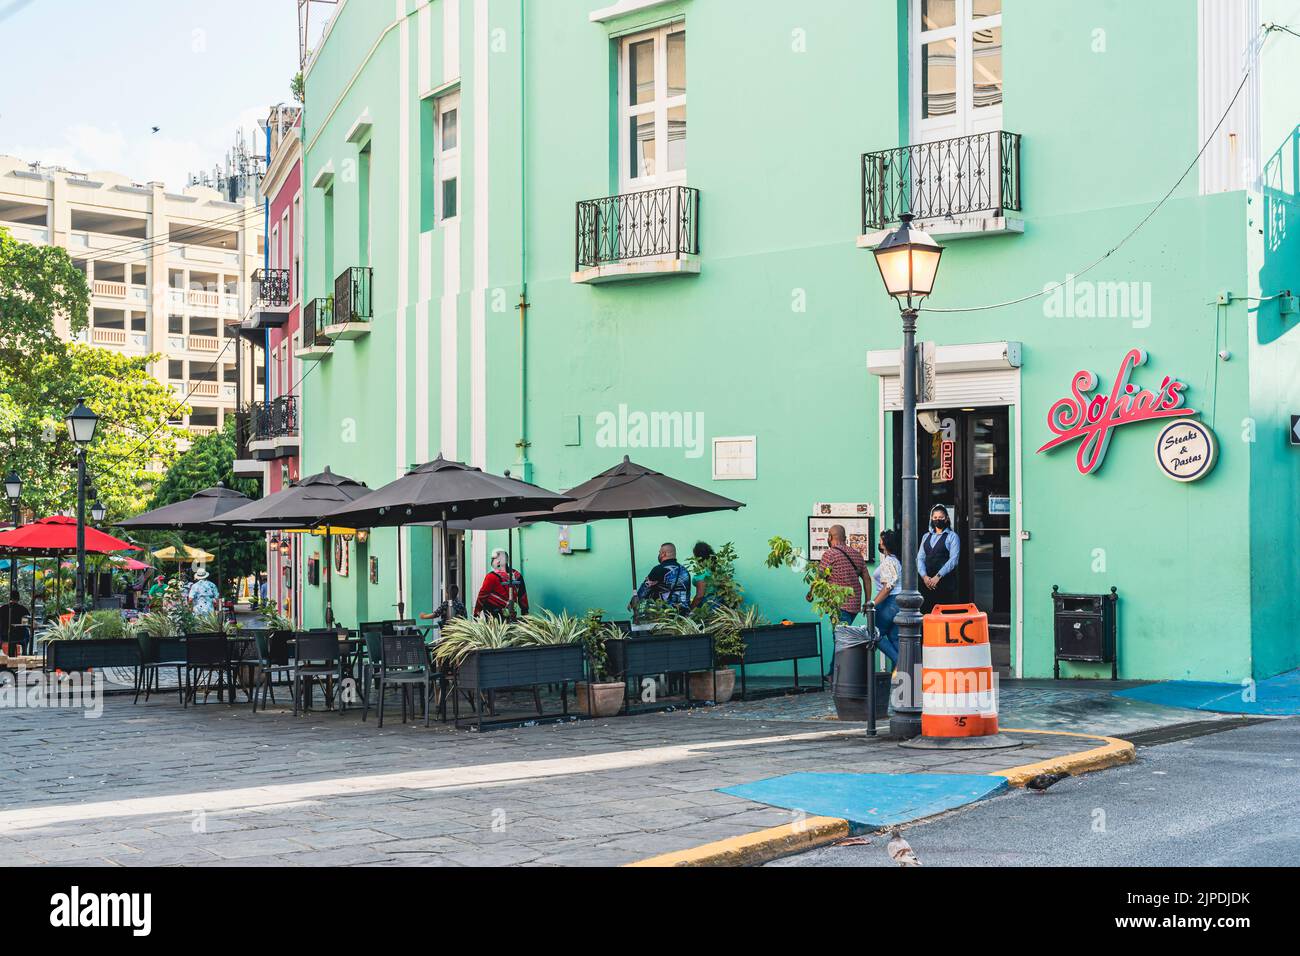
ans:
(478, 327)
(403, 229)
(450, 40)
(423, 307)
(1228, 43)
(449, 347)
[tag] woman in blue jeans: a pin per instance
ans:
(887, 577)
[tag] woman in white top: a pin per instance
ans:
(887, 577)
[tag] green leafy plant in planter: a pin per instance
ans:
(274, 620)
(726, 625)
(725, 590)
(158, 624)
(465, 635)
(728, 648)
(604, 698)
(79, 628)
(826, 596)
(108, 624)
(546, 628)
(214, 622)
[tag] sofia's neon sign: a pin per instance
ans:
(1092, 418)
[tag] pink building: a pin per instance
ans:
(269, 433)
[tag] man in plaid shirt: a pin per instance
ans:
(848, 569)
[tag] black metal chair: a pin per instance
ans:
(316, 658)
(210, 654)
(156, 655)
(405, 664)
(272, 653)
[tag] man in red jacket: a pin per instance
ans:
(502, 587)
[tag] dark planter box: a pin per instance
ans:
(511, 667)
(778, 642)
(660, 654)
(69, 656)
(515, 668)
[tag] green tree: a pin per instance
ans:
(211, 461)
(41, 378)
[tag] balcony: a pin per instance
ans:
(108, 336)
(272, 300)
(109, 290)
(246, 466)
(203, 343)
(352, 306)
(317, 316)
(638, 235)
(955, 188)
(273, 429)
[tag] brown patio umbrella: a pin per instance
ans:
(443, 491)
(300, 508)
(629, 490)
(196, 513)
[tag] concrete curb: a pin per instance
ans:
(758, 847)
(763, 846)
(1111, 753)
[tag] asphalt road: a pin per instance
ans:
(1227, 799)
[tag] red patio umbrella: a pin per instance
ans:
(57, 535)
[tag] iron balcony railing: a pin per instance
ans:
(941, 180)
(352, 295)
(657, 222)
(244, 431)
(276, 419)
(318, 314)
(271, 287)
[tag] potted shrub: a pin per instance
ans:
(602, 695)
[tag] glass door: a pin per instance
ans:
(964, 464)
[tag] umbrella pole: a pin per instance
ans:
(329, 580)
(401, 587)
(446, 559)
(631, 543)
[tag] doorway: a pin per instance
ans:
(455, 555)
(965, 463)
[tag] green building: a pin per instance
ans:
(685, 193)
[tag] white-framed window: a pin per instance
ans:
(735, 458)
(275, 247)
(956, 68)
(652, 108)
(446, 158)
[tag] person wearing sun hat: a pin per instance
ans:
(203, 593)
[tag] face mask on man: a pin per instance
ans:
(939, 524)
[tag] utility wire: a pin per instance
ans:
(1266, 29)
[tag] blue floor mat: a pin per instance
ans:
(870, 799)
(1277, 696)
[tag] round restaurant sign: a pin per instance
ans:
(1186, 450)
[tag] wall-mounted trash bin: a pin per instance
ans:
(1085, 629)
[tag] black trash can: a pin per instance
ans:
(855, 653)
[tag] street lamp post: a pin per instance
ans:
(908, 261)
(81, 426)
(13, 491)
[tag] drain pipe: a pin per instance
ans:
(525, 468)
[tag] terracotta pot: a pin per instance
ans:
(702, 685)
(608, 699)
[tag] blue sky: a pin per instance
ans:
(85, 80)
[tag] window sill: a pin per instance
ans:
(620, 8)
(950, 230)
(647, 268)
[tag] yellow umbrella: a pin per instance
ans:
(187, 554)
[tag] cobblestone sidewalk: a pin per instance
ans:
(214, 785)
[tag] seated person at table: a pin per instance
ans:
(14, 618)
(668, 581)
(502, 587)
(448, 609)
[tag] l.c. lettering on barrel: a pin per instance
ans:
(958, 693)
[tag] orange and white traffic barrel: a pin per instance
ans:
(958, 693)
